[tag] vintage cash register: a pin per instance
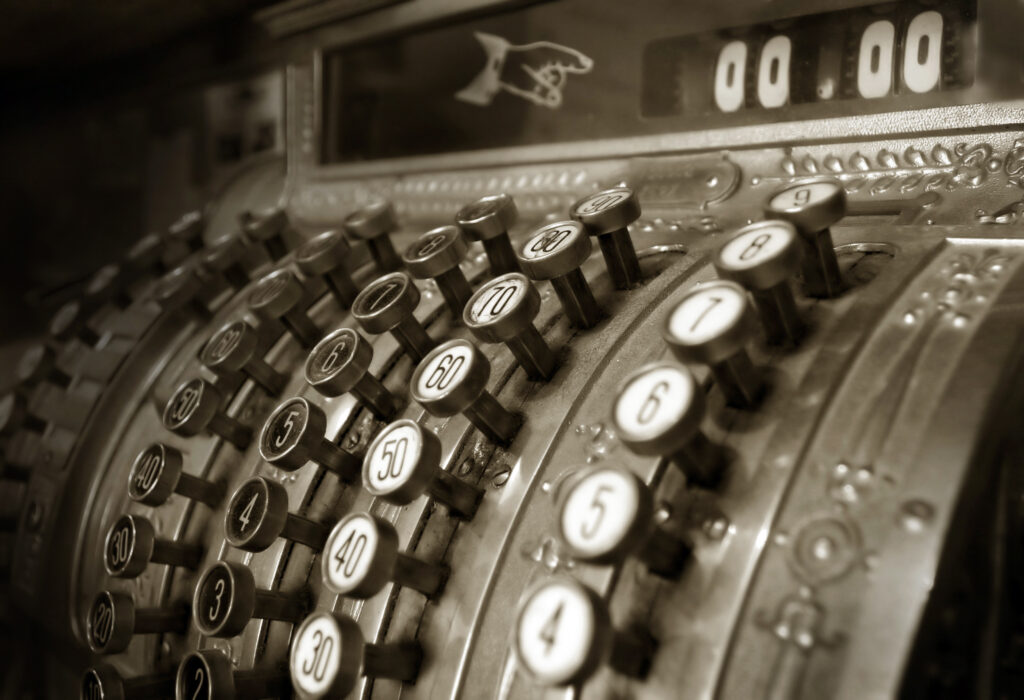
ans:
(585, 348)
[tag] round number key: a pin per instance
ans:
(226, 598)
(157, 472)
(258, 514)
(227, 258)
(131, 545)
(372, 224)
(329, 655)
(270, 228)
(113, 620)
(341, 363)
(812, 207)
(195, 408)
(608, 514)
(488, 220)
(436, 255)
(452, 379)
(103, 682)
(387, 305)
(556, 252)
(233, 349)
(763, 257)
(606, 215)
(208, 674)
(294, 435)
(403, 462)
(658, 411)
(563, 634)
(361, 557)
(502, 311)
(278, 296)
(327, 256)
(712, 324)
(180, 290)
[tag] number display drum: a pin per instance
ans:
(294, 435)
(403, 462)
(436, 255)
(208, 674)
(763, 257)
(607, 514)
(812, 207)
(658, 410)
(361, 556)
(341, 363)
(452, 379)
(386, 305)
(157, 472)
(564, 634)
(329, 654)
(502, 311)
(712, 324)
(607, 214)
(226, 598)
(488, 220)
(258, 514)
(556, 252)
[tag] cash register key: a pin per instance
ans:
(131, 545)
(196, 408)
(326, 256)
(453, 379)
(277, 296)
(712, 325)
(812, 207)
(226, 599)
(208, 674)
(234, 348)
(39, 364)
(271, 229)
(225, 258)
(607, 515)
(555, 252)
(71, 321)
(113, 620)
(329, 654)
(361, 557)
(372, 224)
(257, 515)
(488, 220)
(102, 681)
(157, 472)
(502, 311)
(763, 257)
(188, 230)
(564, 634)
(340, 363)
(658, 410)
(607, 214)
(145, 257)
(108, 284)
(404, 462)
(180, 289)
(387, 305)
(436, 255)
(15, 415)
(295, 434)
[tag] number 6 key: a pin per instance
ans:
(608, 514)
(403, 462)
(763, 257)
(658, 411)
(361, 557)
